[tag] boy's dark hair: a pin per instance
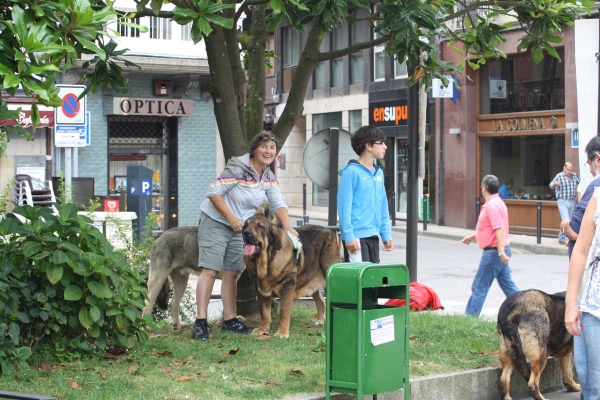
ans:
(592, 148)
(364, 135)
(262, 137)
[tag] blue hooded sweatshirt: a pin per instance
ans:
(362, 203)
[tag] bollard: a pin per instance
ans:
(539, 222)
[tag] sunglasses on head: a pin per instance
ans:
(267, 137)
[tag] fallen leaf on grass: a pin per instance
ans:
(165, 369)
(42, 379)
(273, 383)
(178, 363)
(45, 367)
(167, 398)
(162, 353)
(102, 375)
(190, 358)
(185, 378)
(496, 353)
(59, 395)
(88, 369)
(321, 350)
(74, 384)
(66, 364)
(297, 372)
(133, 369)
(232, 352)
(108, 356)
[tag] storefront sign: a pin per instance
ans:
(152, 106)
(388, 113)
(25, 120)
(111, 205)
(497, 88)
(544, 121)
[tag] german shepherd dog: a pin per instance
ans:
(270, 257)
(175, 255)
(531, 327)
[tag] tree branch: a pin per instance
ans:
(295, 101)
(477, 5)
(146, 12)
(244, 6)
(331, 55)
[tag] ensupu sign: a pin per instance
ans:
(153, 106)
(388, 113)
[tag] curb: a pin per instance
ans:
(467, 385)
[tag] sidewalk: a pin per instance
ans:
(549, 245)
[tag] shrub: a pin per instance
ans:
(61, 281)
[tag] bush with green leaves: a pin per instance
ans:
(62, 282)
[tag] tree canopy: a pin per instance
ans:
(40, 39)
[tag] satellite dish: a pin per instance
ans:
(315, 156)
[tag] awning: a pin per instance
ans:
(46, 116)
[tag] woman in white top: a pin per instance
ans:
(585, 316)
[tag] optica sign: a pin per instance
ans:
(388, 113)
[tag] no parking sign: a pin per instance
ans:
(71, 112)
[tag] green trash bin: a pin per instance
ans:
(367, 343)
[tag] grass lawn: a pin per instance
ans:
(172, 366)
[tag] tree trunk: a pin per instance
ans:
(256, 71)
(225, 99)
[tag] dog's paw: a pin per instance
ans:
(574, 387)
(282, 335)
(259, 332)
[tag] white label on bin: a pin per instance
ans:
(382, 330)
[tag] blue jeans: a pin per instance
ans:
(490, 267)
(591, 330)
(565, 208)
(580, 362)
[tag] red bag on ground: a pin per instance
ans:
(421, 297)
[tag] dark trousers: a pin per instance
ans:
(369, 248)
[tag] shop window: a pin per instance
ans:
(355, 117)
(360, 31)
(186, 32)
(517, 84)
(291, 55)
(531, 161)
(378, 63)
(400, 70)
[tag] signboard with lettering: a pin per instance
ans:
(438, 90)
(25, 120)
(543, 122)
(388, 113)
(153, 106)
(70, 135)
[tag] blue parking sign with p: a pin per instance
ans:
(575, 138)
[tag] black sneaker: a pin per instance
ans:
(235, 325)
(200, 330)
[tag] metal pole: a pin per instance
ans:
(425, 211)
(477, 207)
(304, 216)
(392, 208)
(539, 222)
(412, 199)
(334, 138)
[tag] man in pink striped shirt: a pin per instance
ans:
(491, 234)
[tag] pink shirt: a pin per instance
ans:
(494, 215)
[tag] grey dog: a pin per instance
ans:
(175, 255)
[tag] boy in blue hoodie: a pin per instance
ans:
(361, 200)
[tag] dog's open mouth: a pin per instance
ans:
(250, 249)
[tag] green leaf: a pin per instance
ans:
(156, 5)
(94, 331)
(13, 332)
(91, 46)
(54, 273)
(23, 353)
(59, 257)
(31, 248)
(11, 81)
(73, 293)
(113, 312)
(131, 313)
(69, 247)
(95, 313)
(226, 23)
(98, 289)
(85, 318)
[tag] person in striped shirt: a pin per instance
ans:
(564, 185)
